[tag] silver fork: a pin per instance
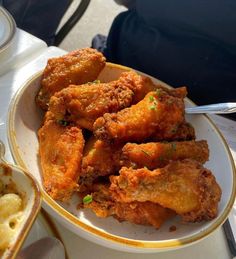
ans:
(218, 108)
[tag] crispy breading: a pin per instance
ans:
(141, 85)
(99, 159)
(183, 186)
(158, 154)
(85, 103)
(77, 67)
(60, 150)
(125, 143)
(158, 111)
(102, 159)
(143, 213)
(184, 131)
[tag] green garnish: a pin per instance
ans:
(158, 91)
(96, 81)
(173, 146)
(152, 107)
(63, 122)
(145, 152)
(87, 199)
(151, 98)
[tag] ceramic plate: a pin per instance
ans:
(7, 29)
(23, 123)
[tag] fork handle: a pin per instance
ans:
(218, 108)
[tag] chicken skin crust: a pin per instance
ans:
(142, 213)
(77, 67)
(183, 186)
(85, 103)
(184, 131)
(99, 159)
(141, 120)
(158, 154)
(102, 159)
(141, 85)
(60, 150)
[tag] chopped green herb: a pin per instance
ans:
(96, 82)
(63, 122)
(158, 92)
(173, 146)
(152, 107)
(87, 199)
(151, 98)
(145, 152)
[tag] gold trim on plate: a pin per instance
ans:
(120, 240)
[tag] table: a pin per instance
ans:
(33, 58)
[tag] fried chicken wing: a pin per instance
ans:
(99, 159)
(85, 103)
(158, 111)
(141, 85)
(60, 150)
(102, 159)
(183, 186)
(77, 67)
(184, 131)
(142, 213)
(158, 154)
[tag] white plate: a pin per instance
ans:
(23, 123)
(7, 29)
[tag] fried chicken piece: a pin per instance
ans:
(142, 213)
(183, 186)
(184, 131)
(158, 154)
(99, 159)
(141, 85)
(157, 112)
(77, 67)
(85, 103)
(60, 150)
(102, 159)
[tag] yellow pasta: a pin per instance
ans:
(10, 216)
(9, 204)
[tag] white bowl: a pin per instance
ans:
(25, 185)
(23, 123)
(7, 32)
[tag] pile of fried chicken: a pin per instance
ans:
(124, 146)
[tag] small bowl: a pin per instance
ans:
(7, 33)
(23, 184)
(23, 123)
